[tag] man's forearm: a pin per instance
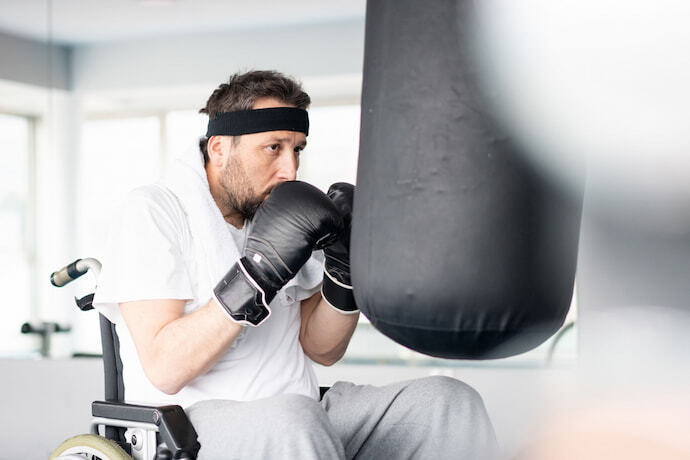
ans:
(326, 332)
(184, 347)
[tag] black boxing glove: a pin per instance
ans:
(337, 286)
(295, 219)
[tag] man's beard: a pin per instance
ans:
(240, 196)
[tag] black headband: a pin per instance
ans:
(258, 121)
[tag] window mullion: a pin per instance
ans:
(30, 233)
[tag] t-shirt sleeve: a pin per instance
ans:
(143, 258)
(308, 280)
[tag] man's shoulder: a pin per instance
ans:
(155, 200)
(155, 193)
(154, 196)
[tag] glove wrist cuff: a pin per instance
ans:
(338, 295)
(242, 298)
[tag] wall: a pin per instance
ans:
(634, 308)
(28, 61)
(43, 402)
(207, 59)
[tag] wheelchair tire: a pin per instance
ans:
(91, 447)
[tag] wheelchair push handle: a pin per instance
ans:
(74, 270)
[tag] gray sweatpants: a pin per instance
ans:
(433, 417)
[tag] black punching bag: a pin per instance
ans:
(460, 249)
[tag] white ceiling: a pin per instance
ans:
(76, 22)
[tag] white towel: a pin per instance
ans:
(214, 248)
(212, 241)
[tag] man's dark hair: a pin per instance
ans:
(243, 89)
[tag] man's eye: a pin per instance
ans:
(274, 147)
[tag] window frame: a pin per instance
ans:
(29, 244)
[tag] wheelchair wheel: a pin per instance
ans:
(91, 447)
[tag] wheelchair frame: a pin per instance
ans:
(143, 432)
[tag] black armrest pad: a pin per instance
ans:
(173, 425)
(322, 391)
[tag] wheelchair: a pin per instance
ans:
(121, 431)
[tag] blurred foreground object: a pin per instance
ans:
(607, 82)
(603, 80)
(626, 429)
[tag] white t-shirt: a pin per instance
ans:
(150, 255)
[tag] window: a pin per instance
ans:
(16, 221)
(332, 146)
(116, 156)
(119, 154)
(183, 128)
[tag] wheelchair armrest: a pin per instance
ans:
(173, 425)
(322, 391)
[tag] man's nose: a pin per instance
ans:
(287, 168)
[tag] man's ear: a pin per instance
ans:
(216, 152)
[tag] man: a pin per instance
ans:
(217, 298)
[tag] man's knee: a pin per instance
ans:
(295, 413)
(442, 385)
(446, 393)
(451, 407)
(301, 422)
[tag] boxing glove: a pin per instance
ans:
(295, 219)
(337, 286)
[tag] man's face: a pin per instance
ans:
(258, 163)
